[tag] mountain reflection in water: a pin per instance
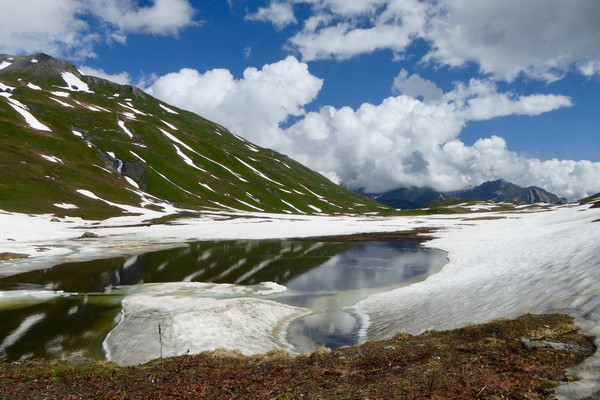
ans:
(67, 310)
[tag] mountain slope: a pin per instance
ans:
(83, 146)
(498, 190)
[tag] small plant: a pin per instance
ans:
(160, 340)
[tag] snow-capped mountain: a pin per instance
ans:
(83, 146)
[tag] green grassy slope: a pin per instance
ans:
(100, 137)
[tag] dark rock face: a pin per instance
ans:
(501, 190)
(37, 65)
(410, 197)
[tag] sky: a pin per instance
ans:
(373, 94)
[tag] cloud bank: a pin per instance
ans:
(73, 28)
(412, 139)
(541, 39)
(254, 106)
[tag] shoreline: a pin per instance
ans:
(489, 254)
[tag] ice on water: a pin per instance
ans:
(173, 318)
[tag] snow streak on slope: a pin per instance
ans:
(257, 172)
(130, 107)
(167, 109)
(186, 159)
(62, 103)
(24, 111)
(127, 131)
(171, 126)
(52, 159)
(74, 83)
(176, 140)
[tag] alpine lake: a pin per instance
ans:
(67, 311)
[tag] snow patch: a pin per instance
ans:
(127, 131)
(127, 208)
(317, 209)
(61, 94)
(292, 206)
(6, 88)
(132, 182)
(186, 159)
(5, 64)
(102, 168)
(32, 86)
(526, 263)
(313, 193)
(66, 206)
(176, 140)
(257, 172)
(171, 126)
(62, 103)
(52, 159)
(250, 205)
(130, 107)
(93, 108)
(204, 185)
(74, 83)
(137, 156)
(167, 109)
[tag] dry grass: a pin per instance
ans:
(484, 361)
(12, 256)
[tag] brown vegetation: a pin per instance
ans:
(502, 359)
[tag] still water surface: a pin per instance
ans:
(68, 310)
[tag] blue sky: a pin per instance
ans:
(374, 94)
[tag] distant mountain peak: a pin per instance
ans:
(39, 64)
(498, 190)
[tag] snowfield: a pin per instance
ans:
(501, 264)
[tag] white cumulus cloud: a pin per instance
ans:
(163, 17)
(403, 141)
(73, 28)
(279, 14)
(409, 142)
(415, 86)
(31, 26)
(341, 30)
(253, 106)
(541, 39)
